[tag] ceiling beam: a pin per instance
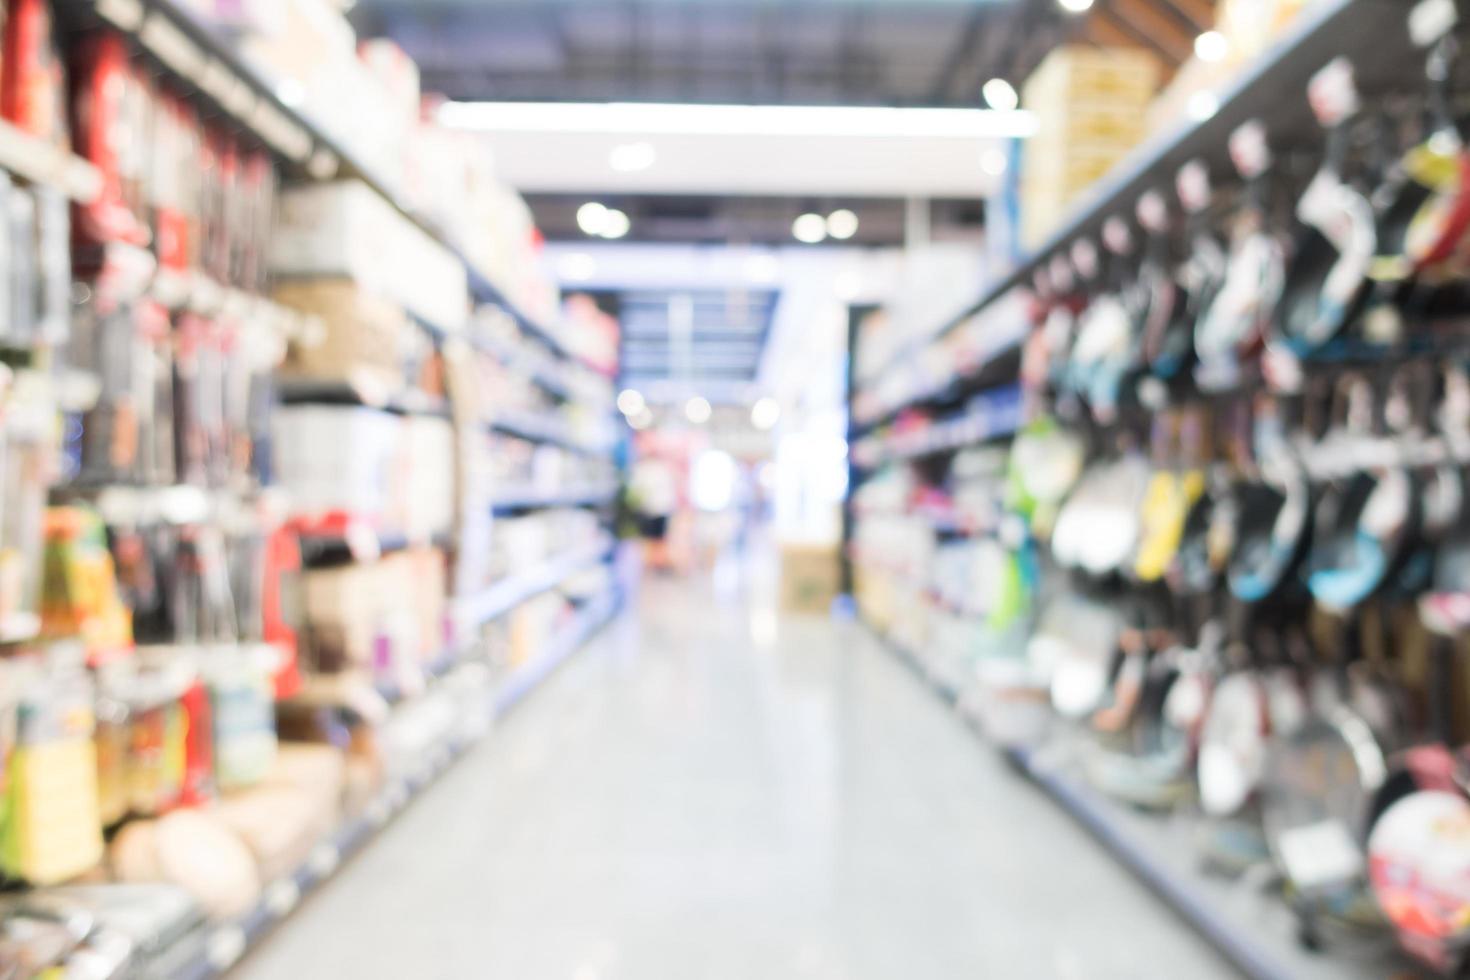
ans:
(1162, 31)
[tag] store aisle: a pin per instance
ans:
(709, 791)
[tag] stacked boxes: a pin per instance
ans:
(1092, 106)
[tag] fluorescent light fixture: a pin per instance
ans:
(592, 218)
(1211, 46)
(615, 224)
(1000, 95)
(993, 162)
(846, 285)
(762, 267)
(697, 410)
(765, 413)
(576, 267)
(842, 224)
(1075, 6)
(630, 158)
(809, 228)
(666, 118)
(631, 401)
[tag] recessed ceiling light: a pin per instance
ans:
(1211, 46)
(629, 158)
(842, 224)
(1202, 105)
(631, 401)
(697, 410)
(1075, 6)
(809, 228)
(592, 218)
(1000, 94)
(615, 224)
(765, 413)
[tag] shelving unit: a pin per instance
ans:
(1260, 938)
(534, 428)
(1259, 933)
(1372, 34)
(514, 501)
(505, 595)
(226, 943)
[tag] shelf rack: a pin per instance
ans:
(505, 595)
(205, 69)
(226, 943)
(542, 428)
(1259, 938)
(516, 501)
(1372, 34)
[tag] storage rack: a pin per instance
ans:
(204, 69)
(224, 944)
(1262, 939)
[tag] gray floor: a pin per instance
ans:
(709, 791)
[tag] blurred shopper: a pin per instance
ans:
(654, 496)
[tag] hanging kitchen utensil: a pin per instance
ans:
(1327, 281)
(1275, 518)
(1367, 516)
(1234, 321)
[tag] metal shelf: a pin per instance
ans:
(516, 501)
(228, 942)
(38, 162)
(508, 593)
(1372, 34)
(544, 428)
(1254, 931)
(310, 391)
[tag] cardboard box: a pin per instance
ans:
(363, 334)
(343, 229)
(811, 577)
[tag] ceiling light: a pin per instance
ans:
(592, 218)
(765, 413)
(615, 224)
(1000, 95)
(630, 158)
(642, 119)
(762, 267)
(1202, 105)
(697, 410)
(576, 267)
(993, 162)
(842, 224)
(1075, 6)
(809, 228)
(1211, 46)
(631, 401)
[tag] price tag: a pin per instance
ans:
(225, 946)
(1116, 236)
(1084, 258)
(1192, 184)
(1320, 854)
(1431, 20)
(1333, 93)
(1248, 149)
(1153, 213)
(281, 897)
(1061, 274)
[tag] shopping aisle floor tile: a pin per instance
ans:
(709, 792)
